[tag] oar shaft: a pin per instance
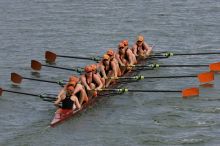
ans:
(41, 80)
(152, 66)
(139, 90)
(208, 53)
(24, 93)
(70, 69)
(168, 54)
(44, 96)
(184, 65)
(76, 57)
(189, 76)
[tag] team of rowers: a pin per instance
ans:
(80, 90)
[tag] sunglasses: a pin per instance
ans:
(121, 48)
(88, 72)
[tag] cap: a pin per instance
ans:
(125, 42)
(121, 45)
(93, 66)
(140, 38)
(73, 78)
(110, 52)
(88, 68)
(106, 57)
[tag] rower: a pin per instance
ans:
(91, 80)
(111, 68)
(68, 99)
(97, 69)
(79, 90)
(125, 56)
(141, 48)
(111, 53)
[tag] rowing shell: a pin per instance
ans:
(64, 114)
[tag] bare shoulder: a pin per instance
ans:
(82, 76)
(73, 97)
(134, 46)
(129, 51)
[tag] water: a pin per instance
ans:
(86, 28)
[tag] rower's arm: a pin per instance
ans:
(59, 96)
(149, 49)
(61, 91)
(84, 83)
(77, 88)
(98, 81)
(119, 60)
(76, 101)
(130, 57)
(114, 68)
(56, 103)
(103, 71)
(134, 48)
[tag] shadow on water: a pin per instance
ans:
(207, 85)
(36, 74)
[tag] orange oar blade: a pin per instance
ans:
(1, 91)
(16, 78)
(35, 65)
(50, 56)
(190, 92)
(206, 77)
(214, 66)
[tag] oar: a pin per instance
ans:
(168, 54)
(36, 65)
(16, 78)
(51, 57)
(202, 77)
(42, 96)
(185, 92)
(212, 67)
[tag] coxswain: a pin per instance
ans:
(79, 90)
(141, 48)
(68, 99)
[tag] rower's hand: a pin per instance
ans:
(122, 64)
(88, 88)
(56, 103)
(129, 67)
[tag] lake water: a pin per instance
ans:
(88, 28)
